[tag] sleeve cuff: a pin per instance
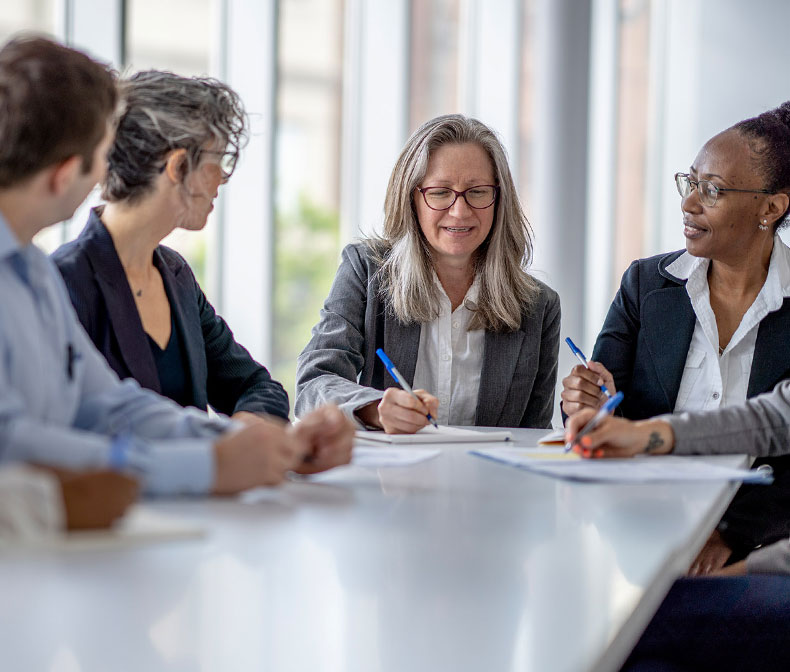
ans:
(773, 559)
(175, 467)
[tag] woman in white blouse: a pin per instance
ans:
(706, 327)
(445, 293)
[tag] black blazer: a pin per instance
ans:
(222, 372)
(644, 343)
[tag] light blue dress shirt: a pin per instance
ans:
(61, 404)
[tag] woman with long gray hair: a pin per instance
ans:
(445, 293)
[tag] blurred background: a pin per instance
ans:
(598, 103)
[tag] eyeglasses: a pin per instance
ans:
(442, 198)
(227, 161)
(708, 192)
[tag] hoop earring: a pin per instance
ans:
(763, 226)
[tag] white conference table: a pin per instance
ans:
(457, 563)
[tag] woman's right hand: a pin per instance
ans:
(582, 387)
(400, 413)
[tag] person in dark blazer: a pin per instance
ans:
(707, 327)
(176, 143)
(445, 293)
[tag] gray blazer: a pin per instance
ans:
(760, 427)
(339, 365)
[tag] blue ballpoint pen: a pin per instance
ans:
(606, 409)
(580, 356)
(402, 381)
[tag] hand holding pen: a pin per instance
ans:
(605, 410)
(588, 385)
(404, 411)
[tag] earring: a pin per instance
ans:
(763, 226)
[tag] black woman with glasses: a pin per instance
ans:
(177, 142)
(707, 327)
(445, 293)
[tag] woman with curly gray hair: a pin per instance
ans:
(445, 292)
(177, 142)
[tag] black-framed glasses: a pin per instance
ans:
(708, 192)
(479, 197)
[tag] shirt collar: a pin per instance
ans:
(8, 241)
(777, 282)
(472, 295)
(685, 265)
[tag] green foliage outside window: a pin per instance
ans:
(306, 259)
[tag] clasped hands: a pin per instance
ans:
(264, 450)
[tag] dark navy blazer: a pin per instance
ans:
(644, 343)
(222, 372)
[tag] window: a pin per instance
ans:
(33, 16)
(434, 59)
(307, 186)
(632, 115)
(152, 43)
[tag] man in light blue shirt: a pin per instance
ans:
(60, 403)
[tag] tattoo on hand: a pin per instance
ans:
(654, 442)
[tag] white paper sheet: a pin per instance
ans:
(430, 434)
(555, 462)
(553, 438)
(384, 456)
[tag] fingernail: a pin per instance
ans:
(586, 452)
(598, 452)
(576, 449)
(586, 441)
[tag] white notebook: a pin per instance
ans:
(430, 434)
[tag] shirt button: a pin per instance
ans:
(455, 325)
(446, 358)
(715, 395)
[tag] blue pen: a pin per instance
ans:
(401, 381)
(606, 409)
(580, 356)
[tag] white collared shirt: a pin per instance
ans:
(450, 358)
(713, 381)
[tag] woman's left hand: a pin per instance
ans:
(617, 437)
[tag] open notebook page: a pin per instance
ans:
(430, 434)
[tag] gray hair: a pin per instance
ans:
(507, 291)
(162, 111)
